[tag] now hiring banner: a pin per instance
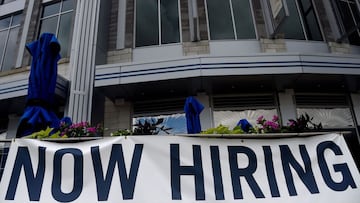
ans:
(165, 169)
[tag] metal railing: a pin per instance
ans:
(4, 150)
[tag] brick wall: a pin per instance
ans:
(33, 30)
(273, 45)
(113, 25)
(259, 19)
(120, 56)
(339, 48)
(184, 8)
(202, 20)
(324, 22)
(196, 48)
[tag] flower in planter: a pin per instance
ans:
(82, 129)
(266, 126)
(302, 124)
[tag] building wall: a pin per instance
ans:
(127, 58)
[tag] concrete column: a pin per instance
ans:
(287, 106)
(82, 60)
(12, 126)
(355, 98)
(206, 118)
(117, 115)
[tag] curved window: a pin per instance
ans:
(157, 22)
(348, 16)
(58, 18)
(302, 22)
(230, 19)
(170, 124)
(5, 1)
(9, 30)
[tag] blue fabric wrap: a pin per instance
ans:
(43, 74)
(192, 110)
(42, 83)
(244, 124)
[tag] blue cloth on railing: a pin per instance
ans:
(192, 110)
(41, 89)
(244, 124)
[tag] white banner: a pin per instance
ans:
(161, 169)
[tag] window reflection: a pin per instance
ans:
(169, 21)
(230, 19)
(292, 27)
(57, 18)
(231, 117)
(302, 22)
(220, 20)
(147, 24)
(9, 31)
(177, 123)
(156, 24)
(329, 117)
(349, 15)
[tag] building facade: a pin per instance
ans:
(127, 60)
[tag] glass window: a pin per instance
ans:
(173, 124)
(349, 17)
(230, 19)
(231, 117)
(329, 117)
(5, 1)
(302, 22)
(310, 22)
(9, 31)
(58, 18)
(157, 22)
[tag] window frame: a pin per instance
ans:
(175, 109)
(300, 15)
(159, 26)
(58, 14)
(8, 30)
(233, 22)
(346, 105)
(342, 35)
(275, 106)
(302, 20)
(2, 2)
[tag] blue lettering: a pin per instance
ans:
(34, 182)
(177, 171)
(270, 171)
(247, 172)
(216, 168)
(116, 157)
(342, 168)
(78, 175)
(307, 175)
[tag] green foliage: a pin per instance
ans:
(301, 124)
(44, 134)
(221, 129)
(121, 132)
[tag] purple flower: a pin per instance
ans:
(91, 130)
(275, 118)
(260, 119)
